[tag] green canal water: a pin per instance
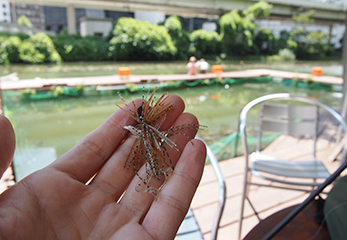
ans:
(85, 69)
(47, 129)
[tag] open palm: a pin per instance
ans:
(56, 203)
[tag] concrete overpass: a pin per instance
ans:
(327, 11)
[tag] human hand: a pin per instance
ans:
(56, 203)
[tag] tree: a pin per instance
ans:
(237, 31)
(179, 36)
(305, 44)
(23, 20)
(140, 40)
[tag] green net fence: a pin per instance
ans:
(230, 146)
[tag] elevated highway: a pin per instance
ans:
(327, 11)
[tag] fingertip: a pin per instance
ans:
(178, 102)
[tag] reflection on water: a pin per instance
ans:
(56, 126)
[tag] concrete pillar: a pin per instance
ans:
(344, 66)
(330, 33)
(191, 24)
(71, 19)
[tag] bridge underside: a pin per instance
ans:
(203, 8)
(282, 9)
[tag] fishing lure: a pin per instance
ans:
(150, 148)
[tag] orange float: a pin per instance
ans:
(217, 69)
(124, 72)
(317, 71)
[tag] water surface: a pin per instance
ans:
(85, 69)
(47, 129)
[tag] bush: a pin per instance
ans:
(309, 45)
(9, 47)
(3, 52)
(78, 48)
(204, 42)
(13, 44)
(286, 54)
(38, 48)
(140, 40)
(178, 35)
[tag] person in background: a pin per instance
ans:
(192, 66)
(204, 66)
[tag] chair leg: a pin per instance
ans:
(244, 197)
(253, 208)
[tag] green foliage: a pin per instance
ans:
(38, 48)
(9, 48)
(3, 52)
(304, 18)
(204, 43)
(78, 48)
(24, 21)
(309, 81)
(308, 45)
(283, 55)
(283, 39)
(265, 42)
(258, 10)
(140, 40)
(13, 44)
(296, 81)
(274, 58)
(286, 54)
(57, 91)
(173, 24)
(237, 32)
(27, 93)
(178, 35)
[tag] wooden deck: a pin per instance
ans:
(266, 200)
(117, 80)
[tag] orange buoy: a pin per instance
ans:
(317, 71)
(124, 72)
(217, 69)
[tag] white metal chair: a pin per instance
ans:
(301, 119)
(189, 228)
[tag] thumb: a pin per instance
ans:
(7, 143)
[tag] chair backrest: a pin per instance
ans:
(292, 111)
(288, 119)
